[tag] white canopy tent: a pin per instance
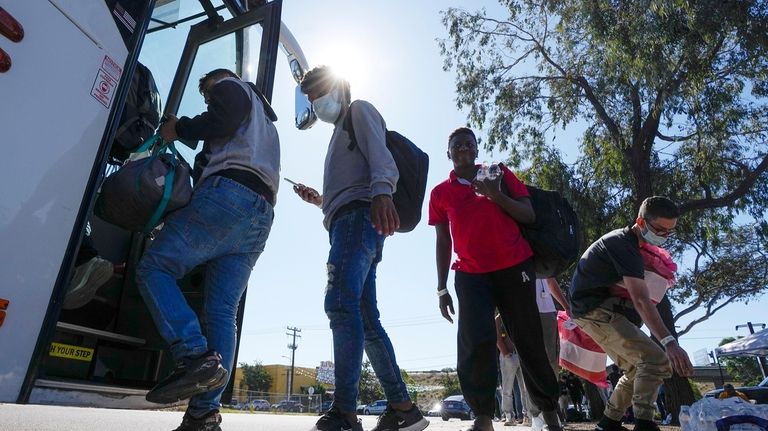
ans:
(753, 345)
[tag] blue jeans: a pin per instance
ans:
(350, 303)
(225, 227)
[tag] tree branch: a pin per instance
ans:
(728, 199)
(706, 316)
(674, 138)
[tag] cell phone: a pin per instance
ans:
(291, 181)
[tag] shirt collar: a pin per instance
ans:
(455, 178)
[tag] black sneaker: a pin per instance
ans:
(209, 422)
(608, 424)
(396, 420)
(191, 377)
(334, 420)
(645, 425)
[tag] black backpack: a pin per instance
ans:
(412, 164)
(141, 115)
(554, 236)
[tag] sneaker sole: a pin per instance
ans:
(315, 428)
(418, 426)
(93, 278)
(172, 395)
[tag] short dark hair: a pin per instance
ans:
(215, 73)
(323, 79)
(728, 386)
(464, 131)
(658, 207)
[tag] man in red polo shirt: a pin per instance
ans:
(494, 270)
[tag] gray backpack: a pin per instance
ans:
(144, 191)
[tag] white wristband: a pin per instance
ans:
(666, 340)
(442, 292)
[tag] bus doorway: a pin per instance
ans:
(106, 352)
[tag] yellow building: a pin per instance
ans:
(303, 377)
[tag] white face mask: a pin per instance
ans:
(651, 238)
(328, 107)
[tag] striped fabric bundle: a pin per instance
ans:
(579, 353)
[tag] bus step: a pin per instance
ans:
(103, 335)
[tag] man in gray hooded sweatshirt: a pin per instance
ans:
(225, 226)
(358, 184)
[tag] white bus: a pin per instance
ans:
(65, 70)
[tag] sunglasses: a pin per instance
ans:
(660, 231)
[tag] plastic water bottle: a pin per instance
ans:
(482, 172)
(685, 418)
(493, 171)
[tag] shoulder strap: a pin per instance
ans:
(348, 125)
(167, 191)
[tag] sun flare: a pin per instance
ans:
(349, 62)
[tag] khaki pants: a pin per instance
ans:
(645, 363)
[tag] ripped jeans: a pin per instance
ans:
(350, 303)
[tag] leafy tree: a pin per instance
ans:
(743, 369)
(255, 377)
(370, 389)
(319, 389)
(450, 383)
(670, 98)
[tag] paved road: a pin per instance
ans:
(14, 417)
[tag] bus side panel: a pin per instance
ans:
(54, 106)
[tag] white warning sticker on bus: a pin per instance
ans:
(68, 351)
(112, 68)
(104, 88)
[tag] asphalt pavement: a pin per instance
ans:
(16, 417)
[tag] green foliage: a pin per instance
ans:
(319, 389)
(410, 384)
(370, 389)
(743, 369)
(255, 377)
(450, 383)
(695, 388)
(671, 98)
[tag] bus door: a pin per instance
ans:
(65, 65)
(125, 354)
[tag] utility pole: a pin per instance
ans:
(714, 357)
(751, 327)
(293, 346)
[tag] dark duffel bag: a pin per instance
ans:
(144, 191)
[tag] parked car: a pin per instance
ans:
(361, 408)
(324, 407)
(375, 408)
(292, 406)
(435, 410)
(758, 393)
(455, 407)
(256, 405)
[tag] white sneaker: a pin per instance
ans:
(537, 423)
(88, 278)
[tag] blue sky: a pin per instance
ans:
(389, 52)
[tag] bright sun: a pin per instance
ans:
(349, 62)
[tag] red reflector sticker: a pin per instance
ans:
(5, 61)
(9, 27)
